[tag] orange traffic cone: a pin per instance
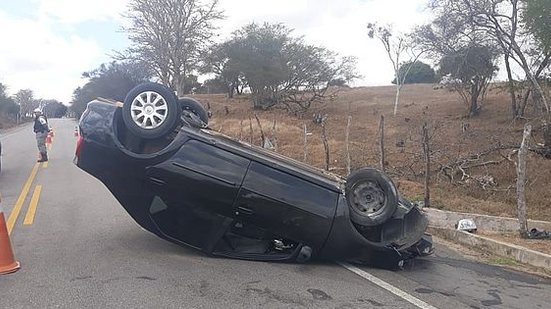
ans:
(8, 264)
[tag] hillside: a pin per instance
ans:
(488, 188)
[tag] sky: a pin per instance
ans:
(47, 44)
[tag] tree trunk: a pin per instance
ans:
(231, 90)
(547, 135)
(540, 69)
(241, 129)
(524, 102)
(382, 142)
(251, 137)
(179, 81)
(398, 87)
(274, 134)
(305, 143)
(514, 105)
(532, 78)
(348, 144)
(521, 181)
(537, 101)
(475, 92)
(262, 136)
(325, 145)
(426, 150)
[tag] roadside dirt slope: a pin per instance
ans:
(455, 136)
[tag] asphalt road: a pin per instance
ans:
(80, 249)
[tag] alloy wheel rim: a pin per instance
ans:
(149, 110)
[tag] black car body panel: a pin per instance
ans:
(228, 198)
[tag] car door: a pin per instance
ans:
(286, 205)
(196, 190)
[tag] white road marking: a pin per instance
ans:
(387, 286)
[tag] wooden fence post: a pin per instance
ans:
(262, 136)
(241, 129)
(325, 145)
(274, 134)
(426, 151)
(251, 137)
(305, 143)
(347, 141)
(521, 181)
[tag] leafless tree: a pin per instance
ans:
(396, 46)
(465, 54)
(25, 99)
(501, 20)
(171, 36)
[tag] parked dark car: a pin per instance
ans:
(193, 186)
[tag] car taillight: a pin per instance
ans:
(80, 141)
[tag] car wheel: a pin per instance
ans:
(195, 108)
(150, 110)
(371, 196)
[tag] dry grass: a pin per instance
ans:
(419, 103)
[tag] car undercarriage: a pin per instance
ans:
(199, 188)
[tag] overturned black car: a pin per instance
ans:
(196, 187)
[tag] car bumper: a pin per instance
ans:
(401, 238)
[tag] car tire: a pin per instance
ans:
(150, 110)
(371, 196)
(195, 107)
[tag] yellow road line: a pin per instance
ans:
(17, 208)
(45, 164)
(29, 217)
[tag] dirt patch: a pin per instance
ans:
(413, 190)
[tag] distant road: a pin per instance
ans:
(79, 248)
